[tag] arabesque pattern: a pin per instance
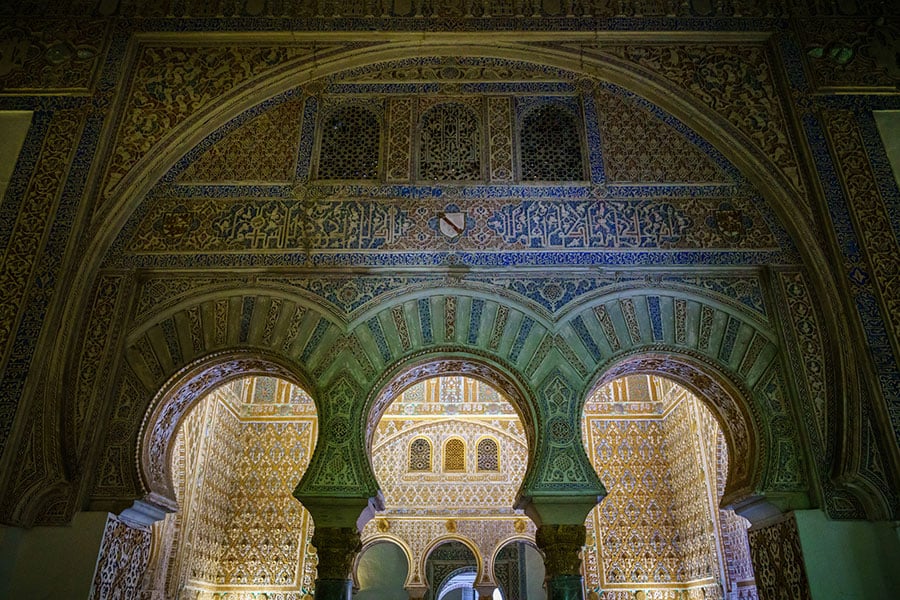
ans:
(659, 530)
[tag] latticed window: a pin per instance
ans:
(450, 144)
(455, 455)
(350, 141)
(550, 145)
(488, 455)
(420, 455)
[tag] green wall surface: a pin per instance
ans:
(381, 572)
(51, 562)
(849, 560)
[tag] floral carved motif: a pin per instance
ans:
(735, 81)
(29, 233)
(875, 223)
(169, 84)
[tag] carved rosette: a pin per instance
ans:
(561, 545)
(337, 548)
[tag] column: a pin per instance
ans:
(561, 545)
(416, 592)
(337, 548)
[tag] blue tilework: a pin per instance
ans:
(425, 321)
(728, 340)
(655, 318)
(246, 317)
(378, 334)
(11, 203)
(524, 330)
(473, 259)
(881, 167)
(475, 320)
(586, 338)
(47, 269)
(314, 340)
(873, 324)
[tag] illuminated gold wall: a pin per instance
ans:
(659, 531)
(239, 455)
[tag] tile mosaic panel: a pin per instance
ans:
(778, 558)
(239, 530)
(51, 55)
(658, 529)
(122, 561)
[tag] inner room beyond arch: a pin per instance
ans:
(660, 531)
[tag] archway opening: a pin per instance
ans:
(451, 569)
(519, 572)
(663, 458)
(450, 454)
(238, 530)
(381, 571)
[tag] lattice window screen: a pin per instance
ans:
(455, 455)
(550, 145)
(351, 136)
(420, 455)
(450, 144)
(488, 455)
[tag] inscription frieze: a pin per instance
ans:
(287, 225)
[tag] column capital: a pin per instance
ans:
(336, 547)
(561, 545)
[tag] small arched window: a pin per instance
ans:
(455, 455)
(419, 455)
(450, 144)
(351, 136)
(550, 145)
(488, 455)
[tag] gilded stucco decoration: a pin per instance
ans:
(238, 530)
(423, 507)
(663, 460)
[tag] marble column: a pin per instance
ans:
(337, 548)
(562, 545)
